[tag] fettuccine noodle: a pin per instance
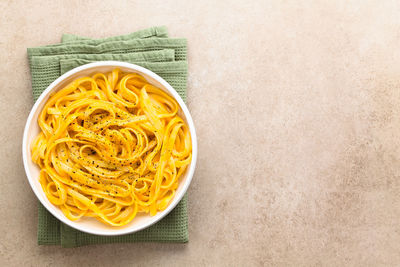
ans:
(111, 146)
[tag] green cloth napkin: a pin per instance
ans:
(149, 48)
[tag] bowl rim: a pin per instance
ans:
(26, 147)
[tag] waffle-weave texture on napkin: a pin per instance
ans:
(150, 48)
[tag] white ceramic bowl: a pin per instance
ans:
(90, 225)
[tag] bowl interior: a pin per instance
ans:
(32, 129)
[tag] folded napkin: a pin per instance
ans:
(149, 48)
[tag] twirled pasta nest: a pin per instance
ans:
(110, 146)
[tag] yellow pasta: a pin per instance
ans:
(111, 146)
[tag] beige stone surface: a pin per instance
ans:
(297, 107)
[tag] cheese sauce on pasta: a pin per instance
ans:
(110, 146)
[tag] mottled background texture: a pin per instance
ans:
(297, 108)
